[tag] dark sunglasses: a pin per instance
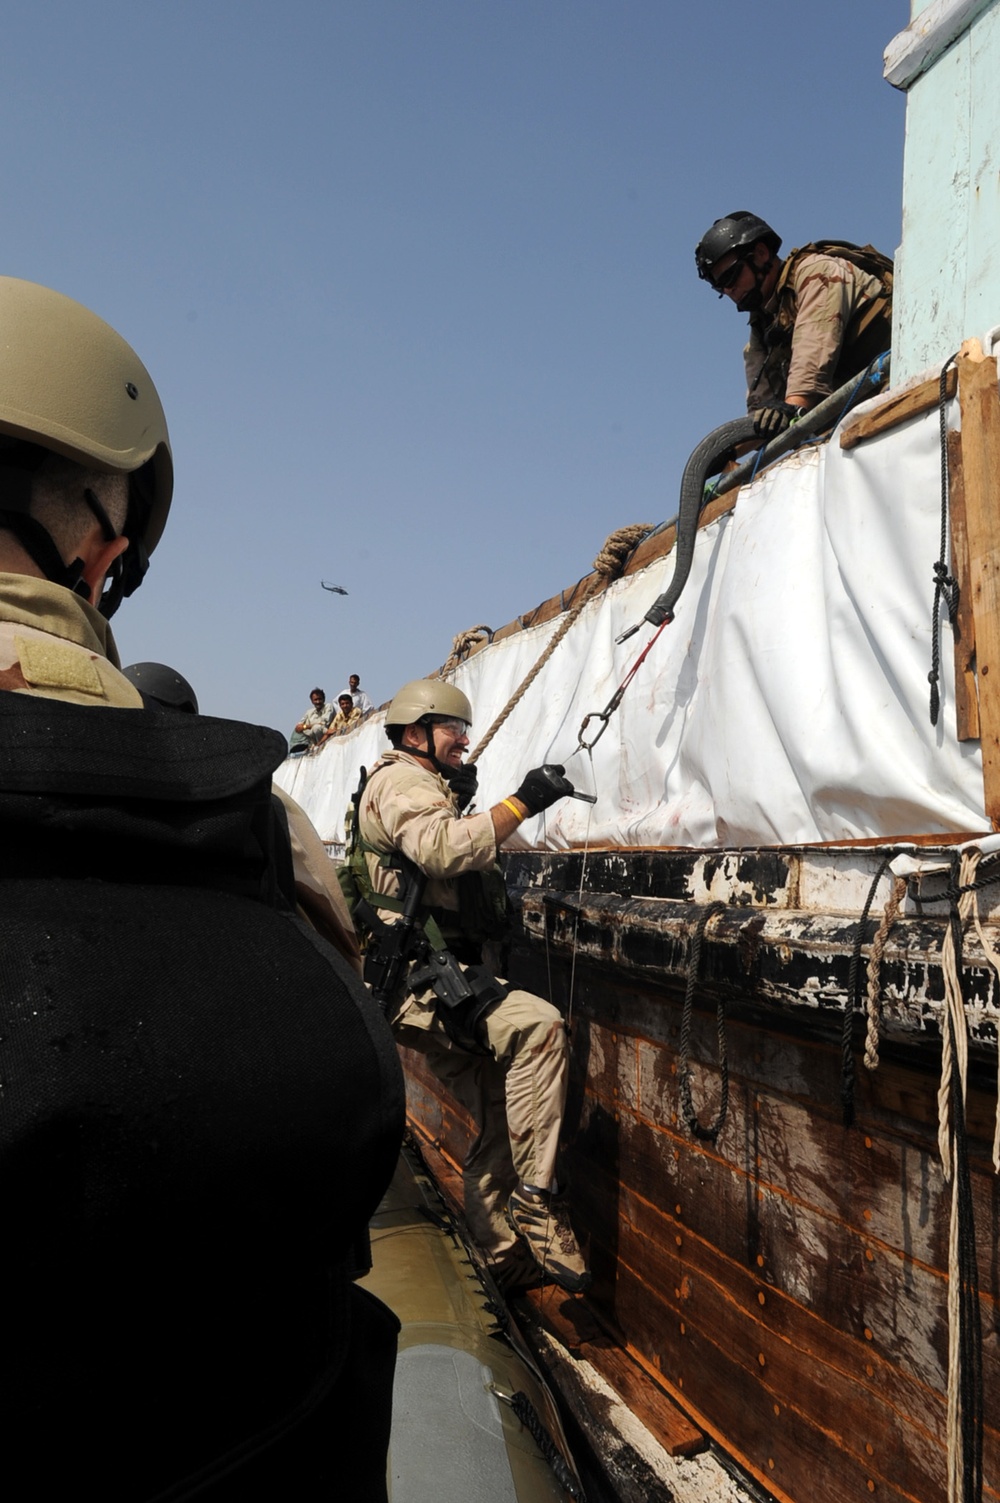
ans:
(727, 278)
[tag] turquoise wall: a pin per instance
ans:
(948, 267)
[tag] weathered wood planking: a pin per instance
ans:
(896, 409)
(787, 1285)
(781, 959)
(980, 406)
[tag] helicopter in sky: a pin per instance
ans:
(335, 589)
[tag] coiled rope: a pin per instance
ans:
(609, 564)
(463, 644)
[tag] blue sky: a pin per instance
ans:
(415, 281)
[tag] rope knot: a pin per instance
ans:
(947, 584)
(463, 643)
(618, 547)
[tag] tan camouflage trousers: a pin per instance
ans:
(516, 1095)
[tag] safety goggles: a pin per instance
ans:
(457, 727)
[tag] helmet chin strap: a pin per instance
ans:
(18, 467)
(753, 300)
(428, 755)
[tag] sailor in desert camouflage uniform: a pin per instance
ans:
(817, 317)
(504, 1053)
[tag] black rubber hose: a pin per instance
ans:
(715, 450)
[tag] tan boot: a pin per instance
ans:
(542, 1219)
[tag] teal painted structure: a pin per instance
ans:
(948, 267)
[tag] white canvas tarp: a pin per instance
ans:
(787, 703)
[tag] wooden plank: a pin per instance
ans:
(789, 1419)
(896, 409)
(860, 1290)
(735, 1303)
(966, 692)
(881, 1179)
(818, 1432)
(574, 1325)
(801, 960)
(980, 407)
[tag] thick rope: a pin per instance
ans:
(463, 644)
(707, 1134)
(530, 1419)
(608, 564)
(875, 971)
(964, 1329)
(853, 1000)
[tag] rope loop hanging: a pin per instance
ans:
(945, 583)
(853, 998)
(889, 914)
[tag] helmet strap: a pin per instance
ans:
(42, 551)
(17, 470)
(428, 755)
(753, 301)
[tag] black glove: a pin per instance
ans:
(463, 782)
(768, 422)
(543, 786)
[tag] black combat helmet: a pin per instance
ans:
(736, 232)
(168, 687)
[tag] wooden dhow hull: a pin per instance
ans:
(786, 1284)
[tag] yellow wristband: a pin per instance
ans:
(513, 809)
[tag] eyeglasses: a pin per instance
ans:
(457, 727)
(728, 278)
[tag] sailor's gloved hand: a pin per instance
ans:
(543, 786)
(768, 422)
(463, 782)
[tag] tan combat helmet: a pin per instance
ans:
(69, 383)
(428, 696)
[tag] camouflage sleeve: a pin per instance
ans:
(416, 812)
(828, 293)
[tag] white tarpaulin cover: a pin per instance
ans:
(787, 703)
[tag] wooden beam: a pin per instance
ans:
(980, 408)
(896, 409)
(966, 695)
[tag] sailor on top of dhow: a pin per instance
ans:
(817, 317)
(201, 1106)
(503, 1052)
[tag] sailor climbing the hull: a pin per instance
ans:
(502, 1052)
(201, 1106)
(817, 317)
